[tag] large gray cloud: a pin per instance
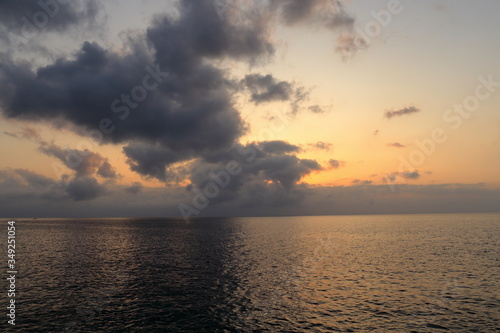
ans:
(266, 171)
(165, 98)
(191, 109)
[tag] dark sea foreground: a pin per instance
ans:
(405, 273)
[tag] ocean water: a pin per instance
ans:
(401, 273)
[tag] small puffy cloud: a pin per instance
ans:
(316, 109)
(401, 112)
(265, 88)
(349, 43)
(335, 164)
(106, 170)
(410, 175)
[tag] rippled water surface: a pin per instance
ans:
(420, 273)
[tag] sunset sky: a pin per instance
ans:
(269, 107)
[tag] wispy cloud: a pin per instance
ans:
(396, 145)
(320, 145)
(401, 112)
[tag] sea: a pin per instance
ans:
(378, 273)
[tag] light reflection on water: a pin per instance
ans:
(406, 273)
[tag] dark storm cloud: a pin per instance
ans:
(79, 90)
(286, 170)
(199, 34)
(258, 170)
(83, 162)
(190, 108)
(272, 161)
(164, 99)
(152, 160)
(401, 112)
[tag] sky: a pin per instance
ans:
(248, 108)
